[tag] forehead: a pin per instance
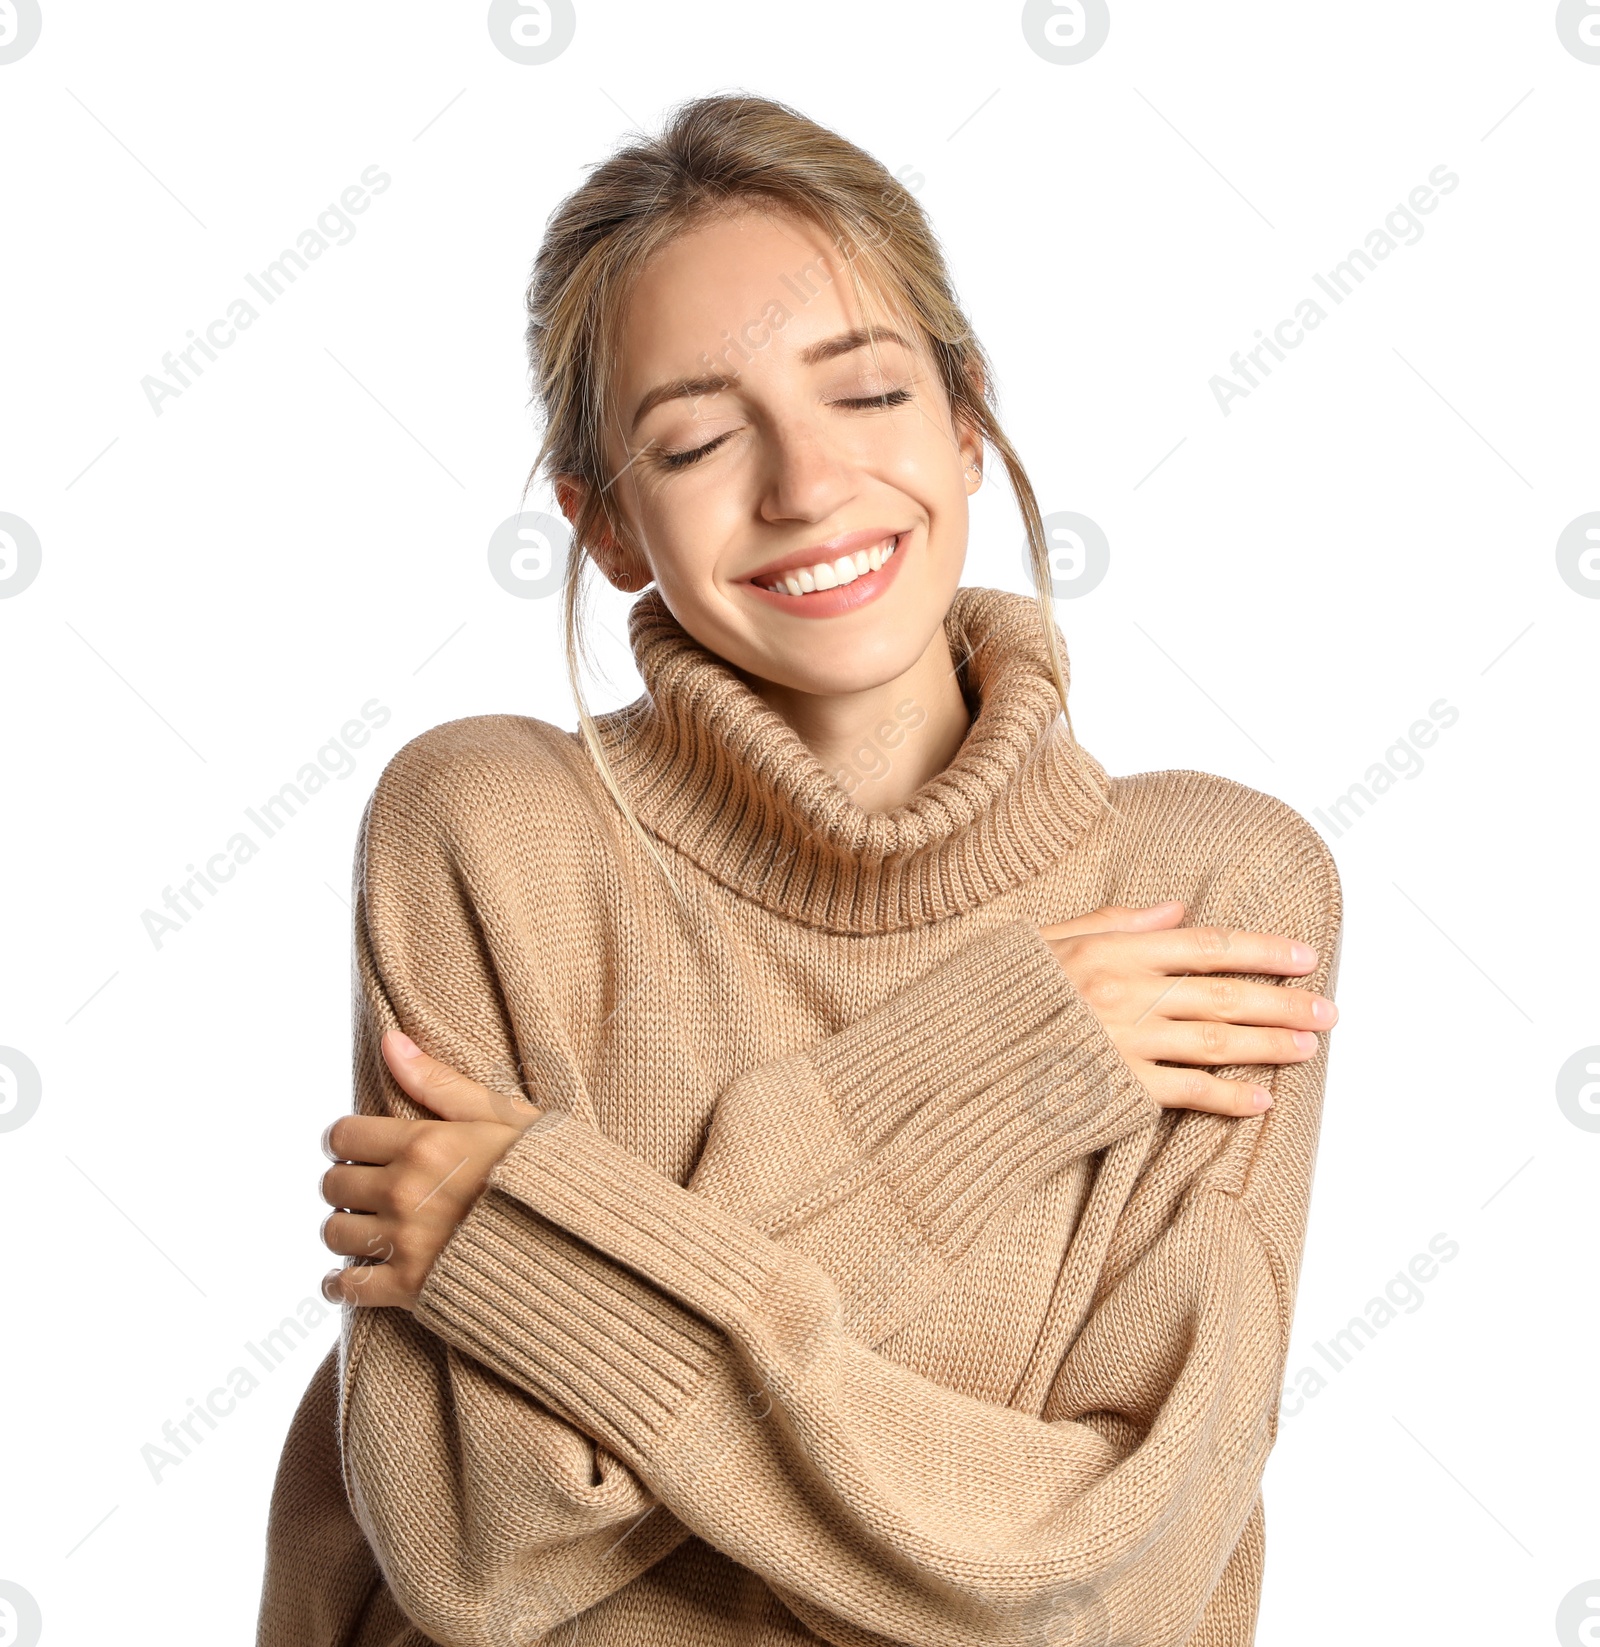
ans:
(756, 278)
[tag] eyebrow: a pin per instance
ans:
(814, 354)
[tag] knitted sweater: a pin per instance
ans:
(852, 1288)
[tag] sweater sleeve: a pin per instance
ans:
(887, 1510)
(884, 1153)
(881, 1506)
(491, 1504)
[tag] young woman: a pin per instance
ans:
(812, 1176)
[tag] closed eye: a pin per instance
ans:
(894, 397)
(682, 460)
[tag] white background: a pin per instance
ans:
(1291, 585)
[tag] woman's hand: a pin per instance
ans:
(403, 1186)
(1132, 966)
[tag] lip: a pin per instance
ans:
(846, 544)
(830, 603)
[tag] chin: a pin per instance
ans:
(832, 670)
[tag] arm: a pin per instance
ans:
(882, 1507)
(524, 1516)
(717, 1364)
(884, 1156)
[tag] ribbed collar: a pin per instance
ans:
(715, 772)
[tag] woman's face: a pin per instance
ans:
(752, 434)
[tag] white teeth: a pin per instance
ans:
(806, 580)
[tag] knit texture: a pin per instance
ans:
(852, 1288)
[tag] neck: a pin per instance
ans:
(881, 744)
(715, 771)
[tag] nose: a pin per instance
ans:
(806, 478)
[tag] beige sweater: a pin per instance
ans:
(853, 1289)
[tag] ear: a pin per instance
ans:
(969, 444)
(969, 439)
(621, 567)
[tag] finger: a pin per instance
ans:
(358, 1235)
(1238, 1001)
(1194, 1089)
(1118, 918)
(1217, 949)
(376, 1139)
(446, 1091)
(363, 1189)
(1213, 1043)
(375, 1286)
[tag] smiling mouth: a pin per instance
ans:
(830, 574)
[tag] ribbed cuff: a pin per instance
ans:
(598, 1285)
(979, 1081)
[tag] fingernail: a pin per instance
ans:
(1304, 954)
(1322, 1010)
(403, 1044)
(1263, 1098)
(1305, 1040)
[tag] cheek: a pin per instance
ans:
(684, 527)
(926, 464)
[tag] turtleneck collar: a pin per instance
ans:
(711, 769)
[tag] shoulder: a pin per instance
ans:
(1220, 814)
(460, 760)
(487, 781)
(489, 831)
(1246, 858)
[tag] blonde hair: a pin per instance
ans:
(717, 154)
